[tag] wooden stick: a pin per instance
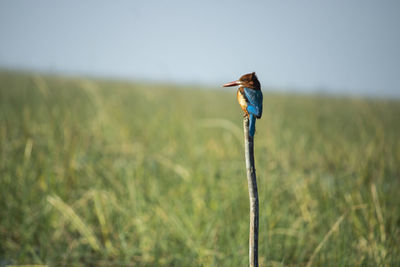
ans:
(253, 194)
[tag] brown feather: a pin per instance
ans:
(250, 80)
(241, 98)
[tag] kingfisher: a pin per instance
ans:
(250, 98)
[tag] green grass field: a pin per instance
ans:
(102, 173)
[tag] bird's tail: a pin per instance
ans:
(252, 125)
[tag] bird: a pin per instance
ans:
(250, 98)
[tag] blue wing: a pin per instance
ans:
(255, 100)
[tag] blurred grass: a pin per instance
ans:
(101, 173)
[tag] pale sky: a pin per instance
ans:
(341, 46)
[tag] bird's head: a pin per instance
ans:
(248, 80)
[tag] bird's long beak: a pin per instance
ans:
(235, 83)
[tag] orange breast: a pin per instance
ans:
(242, 100)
